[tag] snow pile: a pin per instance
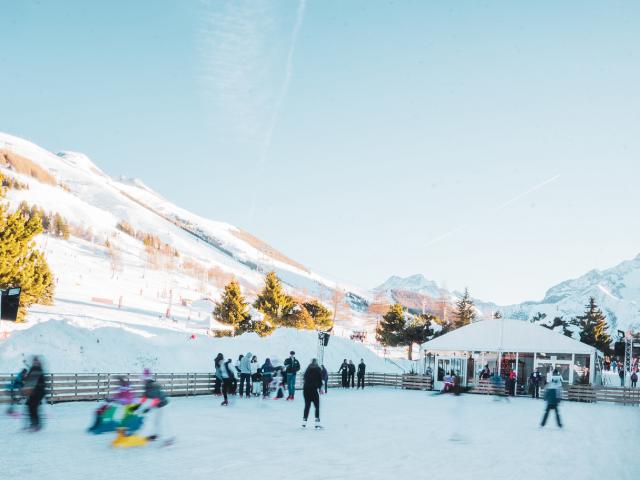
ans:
(68, 348)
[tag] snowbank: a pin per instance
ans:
(68, 348)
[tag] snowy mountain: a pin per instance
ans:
(616, 290)
(207, 252)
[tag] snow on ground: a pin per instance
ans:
(377, 433)
(68, 348)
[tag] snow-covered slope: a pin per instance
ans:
(616, 290)
(86, 196)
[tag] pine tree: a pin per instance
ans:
(21, 265)
(418, 330)
(232, 309)
(298, 317)
(465, 311)
(593, 327)
(390, 329)
(273, 301)
(321, 315)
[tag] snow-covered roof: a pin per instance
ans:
(506, 336)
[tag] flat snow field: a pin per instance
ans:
(377, 433)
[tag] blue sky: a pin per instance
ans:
(485, 144)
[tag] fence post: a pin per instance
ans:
(171, 384)
(76, 388)
(98, 395)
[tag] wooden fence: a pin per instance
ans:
(578, 393)
(63, 387)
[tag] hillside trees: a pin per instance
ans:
(233, 310)
(21, 264)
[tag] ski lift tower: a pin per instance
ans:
(323, 341)
(628, 350)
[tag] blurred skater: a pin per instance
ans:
(14, 388)
(553, 394)
(34, 390)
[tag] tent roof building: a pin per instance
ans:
(506, 336)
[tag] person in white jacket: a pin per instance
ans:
(553, 394)
(245, 374)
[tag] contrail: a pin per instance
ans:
(439, 238)
(266, 145)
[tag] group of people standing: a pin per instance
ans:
(348, 373)
(248, 378)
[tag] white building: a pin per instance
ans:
(510, 344)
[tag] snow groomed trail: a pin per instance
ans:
(378, 433)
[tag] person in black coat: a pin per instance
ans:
(352, 375)
(310, 390)
(34, 386)
(535, 379)
(325, 378)
(344, 371)
(291, 368)
(361, 371)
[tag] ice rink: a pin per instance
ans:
(377, 433)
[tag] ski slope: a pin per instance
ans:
(375, 434)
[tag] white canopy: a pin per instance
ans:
(506, 336)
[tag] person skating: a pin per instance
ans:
(292, 366)
(361, 371)
(153, 400)
(35, 390)
(621, 375)
(226, 374)
(534, 380)
(256, 377)
(325, 378)
(218, 362)
(344, 371)
(245, 374)
(553, 394)
(14, 389)
(311, 387)
(352, 374)
(634, 379)
(267, 376)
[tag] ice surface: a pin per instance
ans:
(373, 434)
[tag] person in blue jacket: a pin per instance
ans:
(14, 388)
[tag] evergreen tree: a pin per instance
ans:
(390, 329)
(418, 330)
(232, 308)
(273, 301)
(321, 315)
(21, 265)
(465, 311)
(593, 327)
(298, 317)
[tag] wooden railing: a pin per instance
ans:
(62, 387)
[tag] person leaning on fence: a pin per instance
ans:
(361, 371)
(553, 395)
(311, 387)
(344, 371)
